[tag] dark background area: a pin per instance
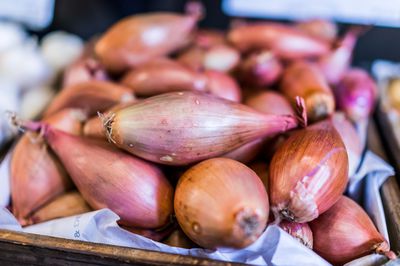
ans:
(89, 17)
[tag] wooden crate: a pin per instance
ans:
(28, 249)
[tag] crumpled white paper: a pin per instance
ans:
(275, 247)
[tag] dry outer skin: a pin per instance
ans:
(183, 127)
(308, 173)
(221, 203)
(137, 39)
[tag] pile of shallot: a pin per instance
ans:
(203, 138)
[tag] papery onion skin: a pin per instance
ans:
(308, 173)
(184, 127)
(304, 79)
(261, 68)
(109, 178)
(319, 28)
(223, 86)
(140, 38)
(67, 204)
(161, 76)
(91, 96)
(300, 231)
(285, 41)
(345, 232)
(350, 138)
(37, 176)
(221, 203)
(356, 94)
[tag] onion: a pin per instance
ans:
(270, 102)
(179, 239)
(163, 75)
(223, 86)
(82, 70)
(319, 28)
(356, 94)
(350, 138)
(260, 69)
(93, 127)
(300, 231)
(36, 175)
(285, 41)
(305, 80)
(221, 203)
(134, 189)
(91, 96)
(345, 232)
(335, 64)
(184, 127)
(220, 58)
(67, 204)
(308, 173)
(137, 39)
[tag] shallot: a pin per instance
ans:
(304, 79)
(308, 173)
(356, 94)
(140, 38)
(285, 41)
(179, 128)
(221, 203)
(345, 232)
(109, 178)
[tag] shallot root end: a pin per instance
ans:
(107, 121)
(248, 222)
(22, 125)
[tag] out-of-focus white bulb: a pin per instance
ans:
(11, 35)
(34, 101)
(60, 49)
(24, 65)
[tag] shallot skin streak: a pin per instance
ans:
(185, 127)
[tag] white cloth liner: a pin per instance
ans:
(274, 247)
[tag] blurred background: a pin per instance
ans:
(89, 17)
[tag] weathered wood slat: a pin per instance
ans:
(23, 248)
